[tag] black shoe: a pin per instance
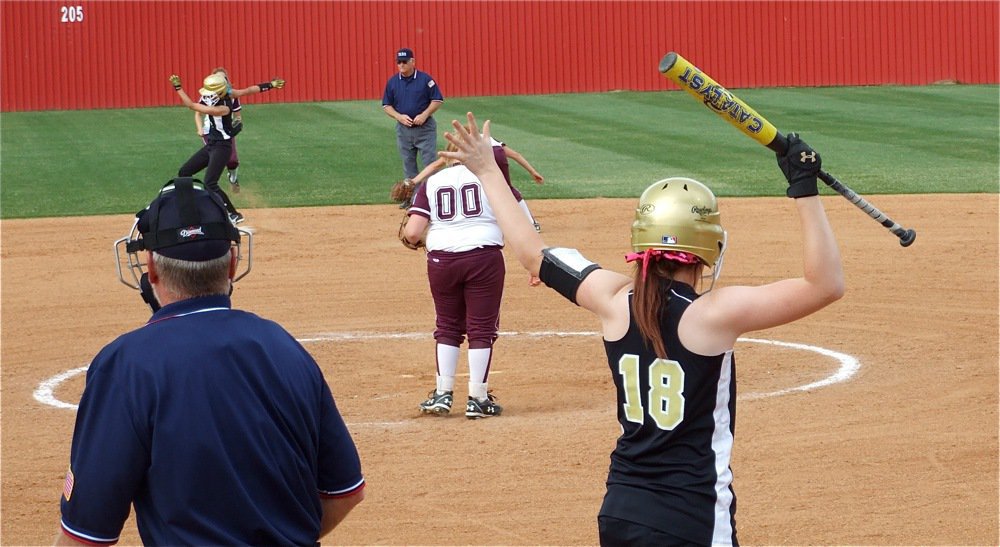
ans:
(437, 403)
(482, 409)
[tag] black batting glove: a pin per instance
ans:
(800, 165)
(276, 83)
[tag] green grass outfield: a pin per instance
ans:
(877, 140)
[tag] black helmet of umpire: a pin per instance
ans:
(187, 223)
(184, 222)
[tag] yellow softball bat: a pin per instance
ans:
(721, 101)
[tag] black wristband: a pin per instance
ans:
(266, 86)
(177, 88)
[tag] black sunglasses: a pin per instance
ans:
(402, 61)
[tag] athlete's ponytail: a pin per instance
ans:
(651, 295)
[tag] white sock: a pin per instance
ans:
(478, 391)
(479, 363)
(447, 362)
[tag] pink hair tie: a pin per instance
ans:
(680, 256)
(660, 254)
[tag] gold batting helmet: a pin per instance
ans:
(214, 84)
(679, 214)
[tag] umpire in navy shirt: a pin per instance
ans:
(214, 423)
(411, 98)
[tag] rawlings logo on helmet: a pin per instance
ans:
(701, 211)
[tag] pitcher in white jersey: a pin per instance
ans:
(501, 152)
(465, 269)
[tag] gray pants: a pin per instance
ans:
(410, 140)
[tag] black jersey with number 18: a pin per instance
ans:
(670, 468)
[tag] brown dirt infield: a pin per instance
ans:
(904, 452)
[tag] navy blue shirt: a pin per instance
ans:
(217, 425)
(412, 95)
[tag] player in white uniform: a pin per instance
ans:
(465, 269)
(501, 152)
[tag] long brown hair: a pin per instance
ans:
(651, 295)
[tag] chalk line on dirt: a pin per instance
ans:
(848, 365)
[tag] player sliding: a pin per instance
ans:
(669, 346)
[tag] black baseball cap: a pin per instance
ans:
(188, 223)
(404, 54)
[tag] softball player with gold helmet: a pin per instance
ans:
(217, 107)
(669, 341)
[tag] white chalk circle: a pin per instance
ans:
(849, 366)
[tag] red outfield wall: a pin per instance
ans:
(80, 54)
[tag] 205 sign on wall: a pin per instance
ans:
(71, 14)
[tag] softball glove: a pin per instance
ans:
(402, 191)
(402, 238)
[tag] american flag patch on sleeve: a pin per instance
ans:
(68, 485)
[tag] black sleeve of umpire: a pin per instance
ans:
(564, 270)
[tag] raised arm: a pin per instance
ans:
(276, 83)
(731, 311)
(599, 291)
(221, 110)
(475, 151)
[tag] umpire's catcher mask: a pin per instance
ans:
(184, 222)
